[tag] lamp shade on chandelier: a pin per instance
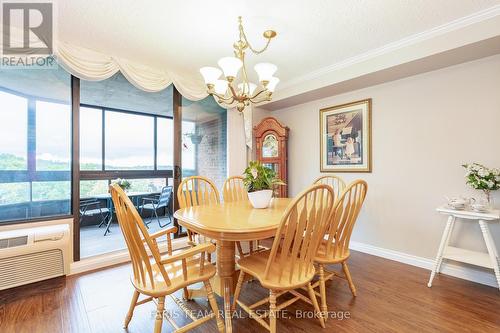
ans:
(234, 88)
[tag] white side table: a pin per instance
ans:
(488, 260)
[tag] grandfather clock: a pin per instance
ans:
(271, 148)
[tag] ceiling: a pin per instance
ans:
(181, 36)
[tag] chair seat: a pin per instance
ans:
(91, 212)
(255, 265)
(147, 206)
(322, 257)
(176, 277)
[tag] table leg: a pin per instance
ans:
(492, 250)
(444, 242)
(226, 270)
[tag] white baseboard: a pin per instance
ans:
(466, 272)
(115, 258)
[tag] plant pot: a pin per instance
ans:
(260, 199)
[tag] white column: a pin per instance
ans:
(236, 146)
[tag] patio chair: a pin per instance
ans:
(92, 207)
(156, 202)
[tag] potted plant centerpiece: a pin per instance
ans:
(260, 182)
(480, 177)
(123, 183)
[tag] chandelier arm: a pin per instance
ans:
(233, 92)
(262, 99)
(229, 105)
(257, 94)
(222, 97)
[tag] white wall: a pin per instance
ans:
(236, 146)
(424, 128)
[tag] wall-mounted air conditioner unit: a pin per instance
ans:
(33, 254)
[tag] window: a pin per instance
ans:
(53, 136)
(164, 143)
(90, 138)
(148, 185)
(35, 144)
(189, 147)
(204, 140)
(129, 141)
(13, 132)
(13, 193)
(90, 188)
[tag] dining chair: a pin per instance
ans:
(288, 265)
(157, 202)
(337, 183)
(334, 247)
(196, 191)
(234, 190)
(159, 276)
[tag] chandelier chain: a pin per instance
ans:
(244, 38)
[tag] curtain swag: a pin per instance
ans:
(90, 65)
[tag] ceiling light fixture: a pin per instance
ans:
(227, 91)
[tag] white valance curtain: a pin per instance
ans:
(90, 65)
(94, 66)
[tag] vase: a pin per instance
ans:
(487, 198)
(260, 199)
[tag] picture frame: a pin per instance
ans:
(346, 138)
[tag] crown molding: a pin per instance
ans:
(397, 45)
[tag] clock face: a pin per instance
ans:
(270, 146)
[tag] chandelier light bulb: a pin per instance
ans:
(221, 87)
(273, 81)
(265, 71)
(230, 66)
(210, 74)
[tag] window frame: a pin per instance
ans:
(104, 174)
(31, 174)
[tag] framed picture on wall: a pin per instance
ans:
(346, 138)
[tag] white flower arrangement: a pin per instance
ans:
(482, 178)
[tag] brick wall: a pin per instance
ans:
(211, 157)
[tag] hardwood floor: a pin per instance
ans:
(392, 297)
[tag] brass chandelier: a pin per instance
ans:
(227, 91)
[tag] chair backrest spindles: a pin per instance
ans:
(344, 216)
(133, 228)
(234, 190)
(197, 190)
(337, 183)
(300, 231)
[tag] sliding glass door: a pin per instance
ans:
(125, 133)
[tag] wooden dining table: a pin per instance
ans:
(227, 223)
